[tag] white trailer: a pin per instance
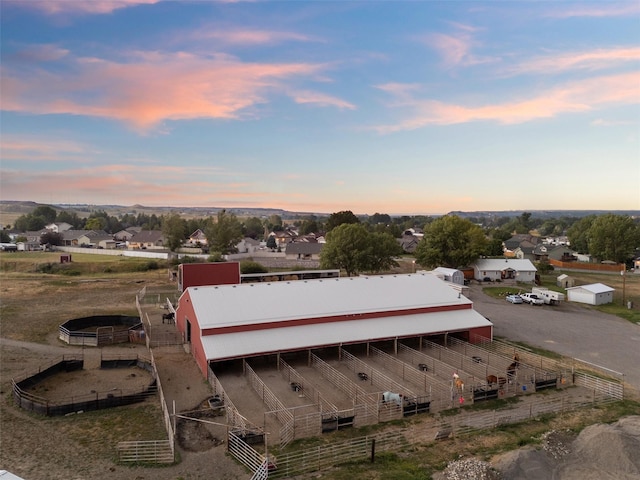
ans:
(550, 297)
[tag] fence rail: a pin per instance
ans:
(152, 451)
(309, 460)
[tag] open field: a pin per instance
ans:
(81, 446)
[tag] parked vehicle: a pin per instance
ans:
(532, 298)
(514, 298)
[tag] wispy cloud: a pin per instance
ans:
(586, 60)
(129, 184)
(456, 48)
(29, 149)
(594, 9)
(576, 97)
(321, 99)
(56, 7)
(249, 36)
(152, 88)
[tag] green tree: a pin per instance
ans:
(450, 241)
(224, 234)
(174, 230)
(4, 237)
(271, 242)
(46, 212)
(578, 233)
(380, 218)
(383, 248)
(346, 248)
(309, 224)
(30, 222)
(340, 218)
(274, 223)
(71, 218)
(613, 237)
(253, 228)
(95, 223)
(51, 238)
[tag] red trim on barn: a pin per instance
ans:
(340, 318)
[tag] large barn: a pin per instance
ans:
(224, 322)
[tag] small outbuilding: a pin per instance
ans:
(565, 281)
(593, 294)
(450, 275)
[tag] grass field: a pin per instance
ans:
(34, 303)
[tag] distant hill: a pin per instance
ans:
(10, 210)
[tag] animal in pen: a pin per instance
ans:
(390, 397)
(494, 380)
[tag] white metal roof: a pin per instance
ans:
(256, 303)
(242, 344)
(594, 288)
(500, 264)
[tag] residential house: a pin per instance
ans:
(282, 237)
(410, 239)
(303, 251)
(498, 269)
(126, 234)
(197, 239)
(147, 239)
(58, 227)
(248, 245)
(593, 294)
(523, 241)
(546, 252)
(77, 238)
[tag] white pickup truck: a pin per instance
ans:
(532, 298)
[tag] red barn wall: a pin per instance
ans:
(200, 274)
(185, 312)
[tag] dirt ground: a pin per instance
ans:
(71, 448)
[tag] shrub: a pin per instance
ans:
(252, 267)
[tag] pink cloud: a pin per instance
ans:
(576, 97)
(22, 148)
(595, 9)
(55, 7)
(157, 87)
(590, 60)
(321, 99)
(251, 37)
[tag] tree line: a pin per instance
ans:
(368, 243)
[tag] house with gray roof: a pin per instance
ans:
(498, 269)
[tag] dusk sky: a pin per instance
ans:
(417, 107)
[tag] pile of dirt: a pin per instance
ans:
(600, 452)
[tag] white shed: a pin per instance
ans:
(451, 275)
(593, 294)
(565, 281)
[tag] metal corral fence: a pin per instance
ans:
(440, 394)
(156, 337)
(88, 402)
(365, 405)
(153, 451)
(571, 371)
(273, 403)
(315, 459)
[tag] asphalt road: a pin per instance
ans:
(569, 329)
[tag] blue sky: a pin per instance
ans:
(416, 107)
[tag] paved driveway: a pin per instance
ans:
(569, 329)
